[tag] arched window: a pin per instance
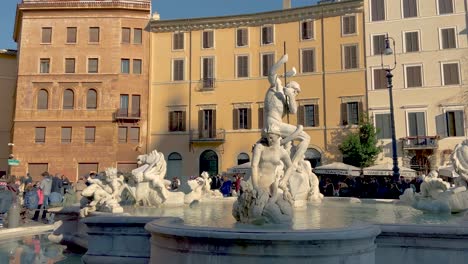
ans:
(91, 99)
(242, 158)
(174, 165)
(43, 99)
(68, 99)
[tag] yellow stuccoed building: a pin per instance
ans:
(208, 78)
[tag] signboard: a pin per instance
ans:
(13, 162)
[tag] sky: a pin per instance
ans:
(168, 9)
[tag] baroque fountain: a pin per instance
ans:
(279, 216)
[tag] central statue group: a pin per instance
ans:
(281, 178)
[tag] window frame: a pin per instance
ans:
(42, 35)
(122, 35)
(343, 52)
(173, 72)
(247, 36)
(140, 66)
(405, 73)
(180, 116)
(384, 11)
(72, 106)
(64, 140)
(454, 109)
(208, 31)
(261, 62)
(442, 14)
(301, 29)
(262, 42)
(408, 121)
(87, 100)
(98, 35)
(373, 43)
(49, 64)
(343, 34)
(374, 114)
(123, 140)
(76, 35)
(173, 41)
(89, 140)
(88, 70)
(314, 64)
(129, 135)
(237, 65)
(133, 41)
(374, 79)
(441, 42)
(208, 82)
(122, 64)
(47, 99)
(74, 65)
(314, 107)
(419, 40)
(443, 75)
(40, 140)
(403, 10)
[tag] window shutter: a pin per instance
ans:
(301, 115)
(260, 118)
(316, 116)
(360, 110)
(459, 122)
(235, 119)
(249, 118)
(205, 39)
(170, 121)
(378, 10)
(344, 114)
(200, 122)
(239, 37)
(214, 122)
(183, 121)
(378, 44)
(445, 6)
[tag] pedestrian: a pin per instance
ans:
(46, 187)
(28, 179)
(6, 200)
(40, 203)
(65, 184)
(226, 186)
(329, 188)
(56, 184)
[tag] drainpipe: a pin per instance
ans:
(190, 87)
(325, 136)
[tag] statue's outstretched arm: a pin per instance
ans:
(272, 76)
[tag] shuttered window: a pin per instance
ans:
(208, 72)
(410, 8)
(414, 76)
(93, 65)
(380, 79)
(177, 121)
(448, 38)
(90, 134)
(68, 99)
(46, 35)
(242, 37)
(134, 135)
(40, 133)
(311, 115)
(137, 35)
(208, 39)
(350, 57)
(308, 60)
(451, 74)
(84, 169)
(44, 65)
(93, 34)
(242, 66)
(70, 65)
(242, 118)
(348, 25)
(267, 62)
(267, 35)
(417, 124)
(136, 66)
(42, 99)
(178, 41)
(136, 105)
(412, 41)
(71, 35)
(455, 123)
(178, 70)
(260, 118)
(445, 7)
(382, 125)
(66, 135)
(125, 66)
(307, 30)
(91, 99)
(122, 134)
(378, 10)
(36, 169)
(378, 44)
(126, 35)
(350, 112)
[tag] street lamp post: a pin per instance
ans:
(388, 51)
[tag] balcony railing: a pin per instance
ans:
(420, 142)
(208, 83)
(125, 114)
(208, 136)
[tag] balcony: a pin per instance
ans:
(207, 84)
(208, 136)
(123, 114)
(420, 142)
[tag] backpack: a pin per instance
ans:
(31, 199)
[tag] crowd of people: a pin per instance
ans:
(367, 186)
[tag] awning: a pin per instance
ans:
(386, 169)
(338, 168)
(243, 168)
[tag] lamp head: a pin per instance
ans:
(387, 50)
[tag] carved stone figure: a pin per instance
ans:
(459, 160)
(304, 184)
(200, 189)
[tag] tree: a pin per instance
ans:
(360, 148)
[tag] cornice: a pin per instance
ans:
(61, 4)
(257, 19)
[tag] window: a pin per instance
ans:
(445, 7)
(93, 34)
(412, 41)
(350, 56)
(413, 76)
(40, 133)
(380, 79)
(207, 123)
(66, 134)
(243, 158)
(93, 65)
(448, 38)
(68, 99)
(124, 104)
(242, 118)
(308, 60)
(378, 44)
(137, 35)
(177, 121)
(307, 30)
(208, 72)
(42, 99)
(455, 123)
(208, 39)
(136, 66)
(69, 65)
(71, 35)
(125, 35)
(378, 10)
(178, 41)
(267, 62)
(174, 165)
(134, 135)
(410, 8)
(350, 112)
(90, 134)
(122, 134)
(242, 66)
(136, 105)
(417, 124)
(125, 66)
(178, 70)
(382, 125)
(267, 35)
(91, 99)
(44, 66)
(242, 37)
(260, 117)
(46, 35)
(450, 74)
(348, 25)
(311, 115)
